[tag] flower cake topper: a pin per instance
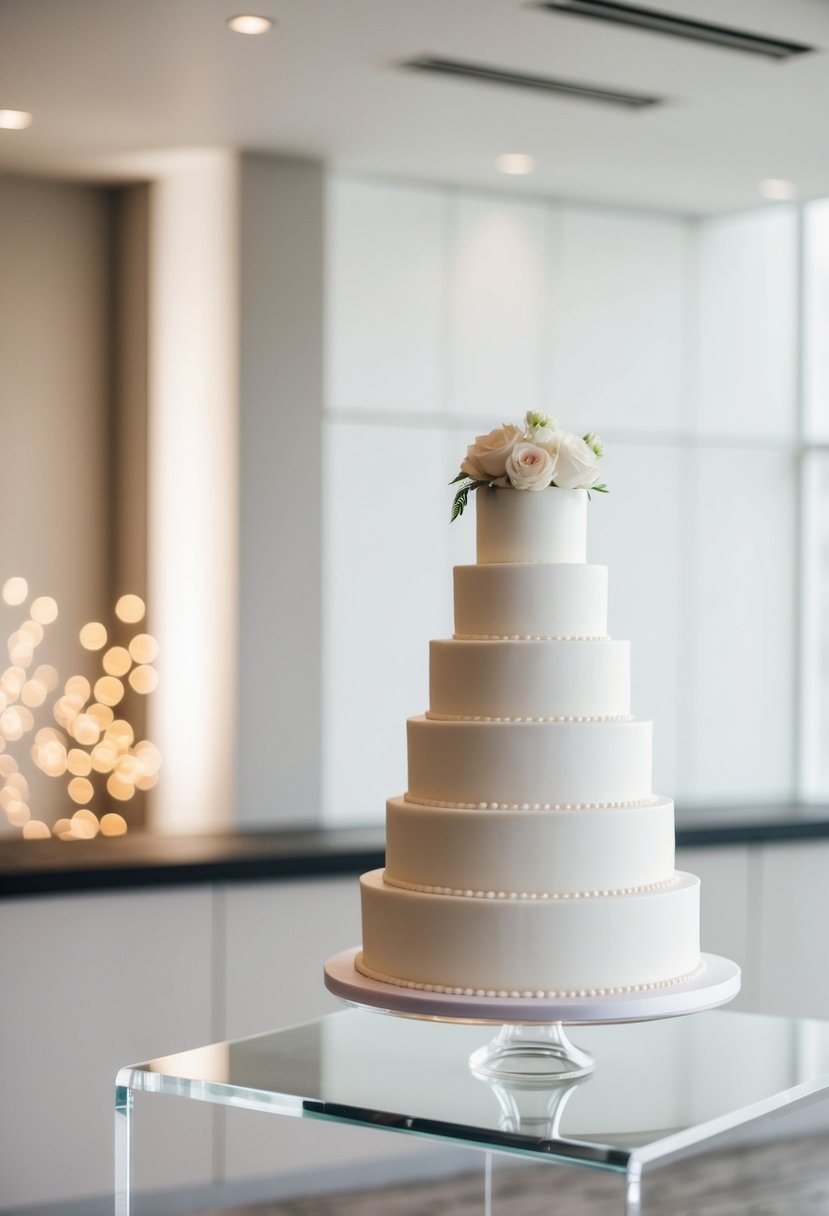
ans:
(538, 457)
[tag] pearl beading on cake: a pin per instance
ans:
(551, 994)
(530, 637)
(468, 893)
(528, 806)
(550, 718)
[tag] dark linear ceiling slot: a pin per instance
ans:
(540, 84)
(653, 21)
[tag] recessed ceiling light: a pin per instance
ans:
(247, 23)
(515, 163)
(778, 189)
(15, 120)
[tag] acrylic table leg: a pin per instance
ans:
(124, 1100)
(633, 1190)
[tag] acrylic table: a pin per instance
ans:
(661, 1091)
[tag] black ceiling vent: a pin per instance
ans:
(657, 22)
(540, 84)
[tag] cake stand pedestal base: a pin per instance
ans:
(531, 1055)
(531, 1050)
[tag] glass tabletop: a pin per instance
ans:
(660, 1090)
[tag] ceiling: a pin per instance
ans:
(105, 78)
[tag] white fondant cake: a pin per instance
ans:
(529, 855)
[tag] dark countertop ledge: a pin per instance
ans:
(45, 867)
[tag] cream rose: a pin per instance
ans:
(490, 452)
(530, 467)
(473, 469)
(576, 466)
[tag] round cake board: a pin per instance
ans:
(717, 983)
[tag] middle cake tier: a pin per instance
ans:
(529, 765)
(529, 679)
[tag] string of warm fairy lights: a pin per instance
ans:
(91, 742)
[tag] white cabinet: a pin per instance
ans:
(277, 937)
(725, 922)
(792, 910)
(90, 983)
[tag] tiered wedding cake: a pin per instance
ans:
(529, 856)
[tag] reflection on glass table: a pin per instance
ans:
(661, 1091)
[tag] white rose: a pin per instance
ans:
(490, 452)
(547, 437)
(530, 467)
(577, 466)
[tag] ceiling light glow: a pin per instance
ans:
(778, 189)
(247, 23)
(15, 120)
(515, 163)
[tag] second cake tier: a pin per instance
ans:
(528, 765)
(529, 679)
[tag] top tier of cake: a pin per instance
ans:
(531, 579)
(524, 526)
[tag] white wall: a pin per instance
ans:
(193, 485)
(450, 312)
(280, 495)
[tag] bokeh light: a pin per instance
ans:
(78, 686)
(12, 681)
(104, 757)
(113, 824)
(144, 648)
(120, 734)
(44, 610)
(32, 631)
(93, 636)
(108, 690)
(102, 714)
(119, 787)
(92, 748)
(78, 762)
(18, 813)
(130, 609)
(33, 693)
(85, 824)
(117, 661)
(85, 729)
(80, 789)
(47, 675)
(15, 591)
(144, 679)
(11, 724)
(36, 829)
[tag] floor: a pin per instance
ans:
(786, 1179)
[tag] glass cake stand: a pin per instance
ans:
(531, 1049)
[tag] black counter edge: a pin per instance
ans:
(321, 853)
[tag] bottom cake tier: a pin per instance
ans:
(597, 943)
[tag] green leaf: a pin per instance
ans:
(459, 503)
(460, 477)
(462, 496)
